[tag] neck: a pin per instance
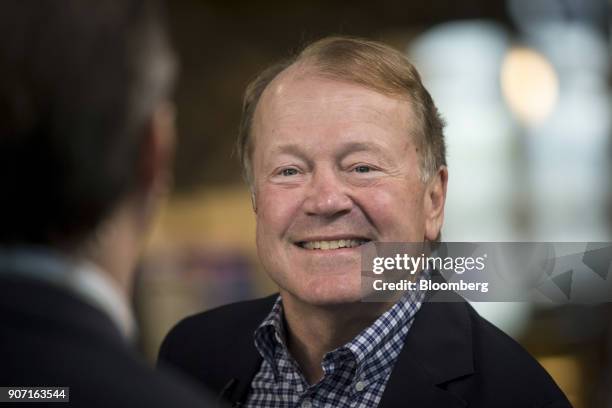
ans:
(115, 247)
(313, 330)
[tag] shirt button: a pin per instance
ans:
(359, 386)
(306, 404)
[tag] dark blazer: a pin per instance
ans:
(49, 337)
(452, 357)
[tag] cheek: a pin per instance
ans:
(396, 211)
(276, 209)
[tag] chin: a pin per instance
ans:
(330, 291)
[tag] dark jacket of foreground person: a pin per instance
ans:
(49, 337)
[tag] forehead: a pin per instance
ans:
(298, 100)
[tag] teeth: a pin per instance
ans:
(325, 245)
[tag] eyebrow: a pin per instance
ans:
(292, 149)
(355, 147)
(349, 148)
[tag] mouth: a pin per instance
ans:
(329, 244)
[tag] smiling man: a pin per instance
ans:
(341, 146)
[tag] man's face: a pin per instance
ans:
(334, 167)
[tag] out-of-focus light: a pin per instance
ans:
(567, 373)
(529, 84)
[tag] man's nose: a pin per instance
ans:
(327, 195)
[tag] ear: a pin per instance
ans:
(157, 154)
(435, 197)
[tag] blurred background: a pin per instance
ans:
(525, 89)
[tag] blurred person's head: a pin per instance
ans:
(341, 145)
(86, 129)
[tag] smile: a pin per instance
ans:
(332, 244)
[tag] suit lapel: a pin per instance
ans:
(410, 386)
(250, 362)
(437, 350)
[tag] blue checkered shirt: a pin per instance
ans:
(355, 375)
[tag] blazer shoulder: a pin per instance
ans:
(519, 371)
(213, 331)
(490, 340)
(223, 319)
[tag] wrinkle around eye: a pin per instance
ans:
(371, 178)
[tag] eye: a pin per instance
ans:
(289, 172)
(362, 169)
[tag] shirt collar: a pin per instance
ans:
(377, 341)
(383, 339)
(271, 334)
(81, 277)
